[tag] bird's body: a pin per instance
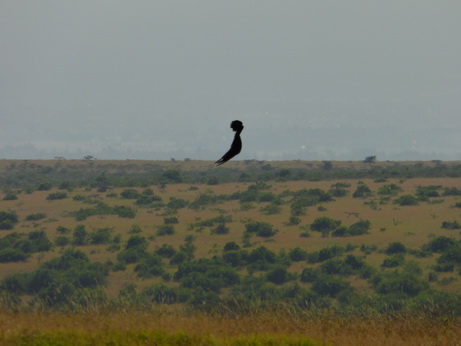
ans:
(236, 146)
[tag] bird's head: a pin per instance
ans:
(237, 125)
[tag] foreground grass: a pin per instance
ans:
(174, 328)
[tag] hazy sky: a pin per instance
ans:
(326, 79)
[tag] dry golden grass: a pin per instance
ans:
(273, 328)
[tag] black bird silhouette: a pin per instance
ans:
(236, 146)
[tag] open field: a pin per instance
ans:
(385, 265)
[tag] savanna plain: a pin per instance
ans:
(249, 253)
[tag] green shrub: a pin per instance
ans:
(398, 283)
(166, 250)
(165, 230)
(335, 266)
(231, 246)
(395, 248)
(36, 217)
(451, 225)
(359, 228)
(405, 200)
(80, 236)
(12, 255)
(45, 186)
(261, 229)
(56, 196)
(130, 194)
(38, 242)
(389, 189)
(362, 191)
(439, 244)
(149, 266)
(278, 275)
(325, 225)
(170, 220)
(271, 209)
(297, 254)
(100, 236)
(424, 192)
(330, 285)
(325, 254)
(62, 240)
(393, 261)
(10, 196)
(220, 229)
(309, 275)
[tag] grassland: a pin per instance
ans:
(413, 226)
(410, 225)
(166, 328)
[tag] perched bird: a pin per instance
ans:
(236, 146)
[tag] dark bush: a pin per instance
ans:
(325, 225)
(400, 283)
(389, 189)
(362, 191)
(100, 236)
(10, 196)
(13, 255)
(165, 250)
(359, 228)
(297, 254)
(62, 240)
(451, 225)
(309, 275)
(278, 275)
(444, 267)
(329, 285)
(231, 246)
(335, 266)
(56, 196)
(406, 200)
(130, 194)
(177, 203)
(149, 266)
(170, 220)
(261, 229)
(80, 236)
(39, 241)
(35, 217)
(325, 254)
(165, 230)
(395, 247)
(393, 261)
(220, 229)
(262, 254)
(440, 244)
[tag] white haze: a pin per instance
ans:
(155, 79)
